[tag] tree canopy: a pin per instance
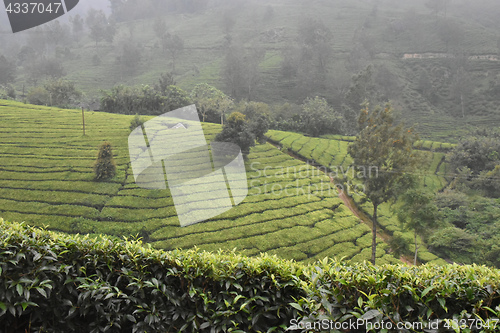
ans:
(210, 101)
(387, 146)
(319, 118)
(7, 71)
(100, 27)
(237, 130)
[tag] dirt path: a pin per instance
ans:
(349, 202)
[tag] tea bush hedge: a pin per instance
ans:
(51, 282)
(428, 298)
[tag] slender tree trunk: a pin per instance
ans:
(374, 233)
(416, 248)
(462, 102)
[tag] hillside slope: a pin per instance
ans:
(46, 178)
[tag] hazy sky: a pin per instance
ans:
(84, 5)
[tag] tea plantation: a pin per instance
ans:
(292, 210)
(331, 152)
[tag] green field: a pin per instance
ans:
(332, 153)
(46, 179)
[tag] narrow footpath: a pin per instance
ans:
(347, 200)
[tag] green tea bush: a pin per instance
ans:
(288, 141)
(136, 215)
(350, 235)
(429, 295)
(427, 144)
(308, 147)
(299, 143)
(124, 201)
(60, 283)
(418, 144)
(277, 135)
(52, 282)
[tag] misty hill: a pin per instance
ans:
(436, 60)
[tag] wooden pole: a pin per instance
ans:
(83, 121)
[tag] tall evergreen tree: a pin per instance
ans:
(105, 167)
(385, 146)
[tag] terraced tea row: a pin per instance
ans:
(332, 153)
(46, 177)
